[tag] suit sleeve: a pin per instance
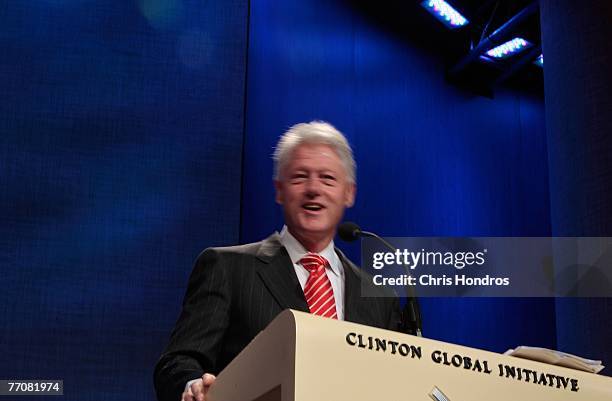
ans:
(198, 334)
(395, 315)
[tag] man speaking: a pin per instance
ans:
(234, 292)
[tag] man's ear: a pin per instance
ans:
(349, 196)
(278, 186)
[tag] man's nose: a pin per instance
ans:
(313, 187)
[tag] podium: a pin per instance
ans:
(301, 357)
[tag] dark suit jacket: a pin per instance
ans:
(233, 293)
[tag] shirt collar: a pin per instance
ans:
(297, 251)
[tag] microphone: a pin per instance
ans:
(349, 231)
(411, 315)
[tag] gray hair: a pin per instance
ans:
(314, 132)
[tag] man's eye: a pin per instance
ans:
(328, 179)
(298, 177)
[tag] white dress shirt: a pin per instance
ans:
(335, 272)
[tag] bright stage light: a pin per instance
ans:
(509, 48)
(539, 61)
(445, 13)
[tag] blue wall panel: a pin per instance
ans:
(120, 150)
(578, 56)
(432, 159)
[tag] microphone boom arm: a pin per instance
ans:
(412, 306)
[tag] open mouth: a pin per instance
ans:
(313, 206)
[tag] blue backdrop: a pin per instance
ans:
(121, 130)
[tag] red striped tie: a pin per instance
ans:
(318, 289)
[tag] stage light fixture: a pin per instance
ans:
(486, 58)
(509, 48)
(539, 61)
(445, 13)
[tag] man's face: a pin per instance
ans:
(314, 190)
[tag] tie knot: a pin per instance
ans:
(314, 263)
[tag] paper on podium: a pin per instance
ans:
(558, 358)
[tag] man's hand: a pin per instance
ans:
(199, 388)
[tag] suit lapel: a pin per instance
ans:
(352, 289)
(279, 276)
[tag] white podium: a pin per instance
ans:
(301, 357)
